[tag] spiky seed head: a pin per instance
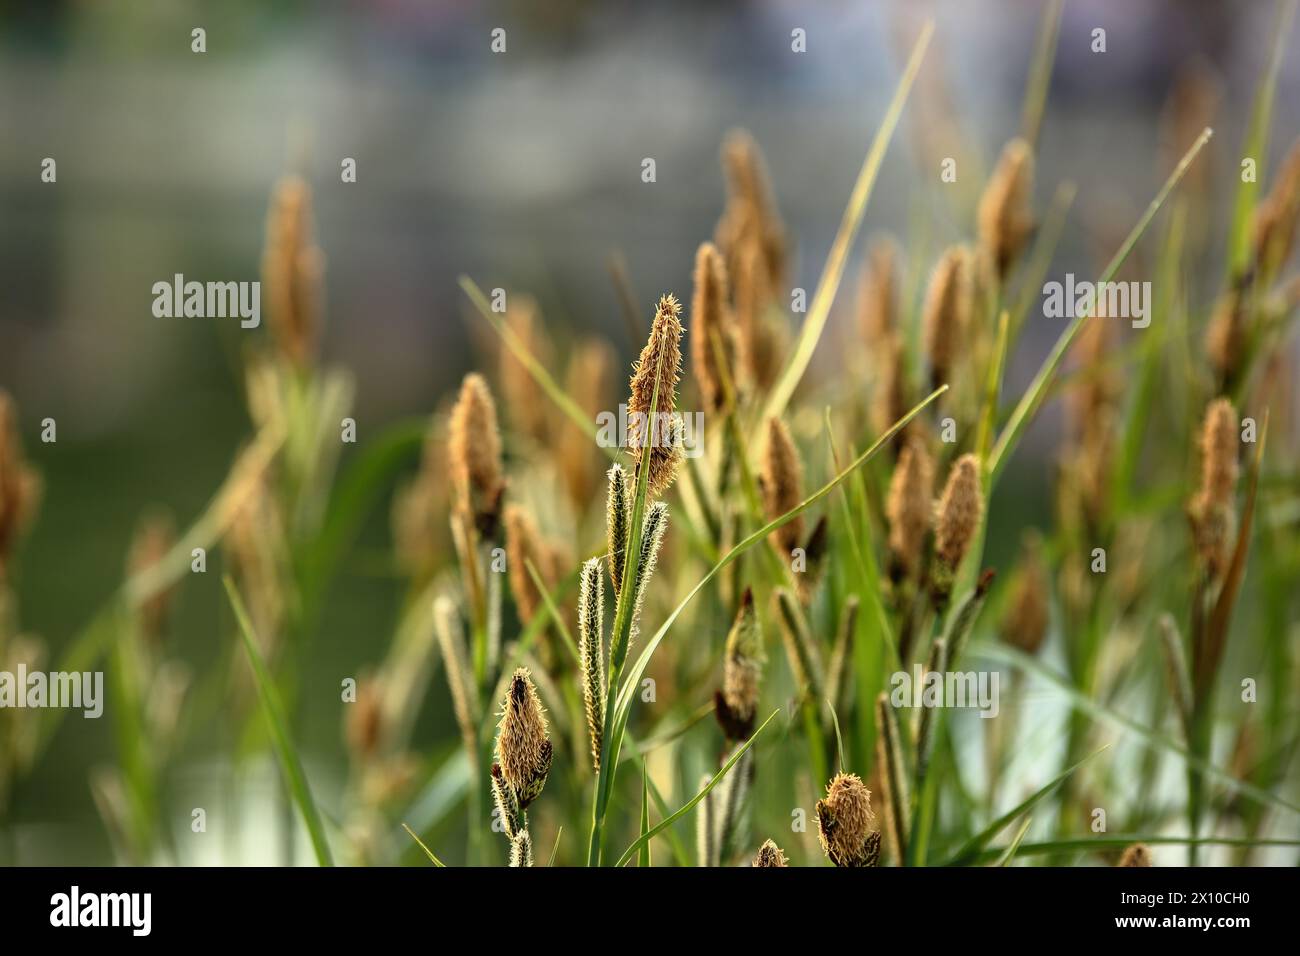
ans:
(524, 544)
(652, 537)
(712, 329)
(474, 454)
(506, 801)
(759, 339)
(844, 820)
(909, 506)
(523, 749)
(946, 313)
(617, 508)
(650, 429)
(742, 670)
(1276, 217)
(878, 293)
(1136, 855)
(292, 265)
(961, 508)
(521, 849)
(1005, 217)
(19, 485)
(1211, 508)
(1024, 625)
(591, 652)
(781, 476)
(1225, 337)
(769, 854)
(750, 218)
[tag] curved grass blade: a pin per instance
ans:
(970, 850)
(1040, 73)
(820, 308)
(427, 852)
(668, 821)
(278, 725)
(555, 849)
(1014, 845)
(1034, 396)
(643, 855)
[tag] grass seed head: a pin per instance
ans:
(474, 453)
(1211, 508)
(650, 428)
(617, 508)
(591, 656)
(945, 315)
(961, 508)
(711, 328)
(781, 478)
(292, 266)
(521, 849)
(878, 293)
(1005, 218)
(1136, 855)
(742, 671)
(844, 820)
(526, 405)
(909, 507)
(523, 749)
(524, 544)
(769, 854)
(1274, 226)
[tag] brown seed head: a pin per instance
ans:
(474, 454)
(523, 545)
(523, 749)
(292, 265)
(946, 313)
(750, 217)
(961, 507)
(844, 820)
(712, 328)
(1219, 446)
(1005, 218)
(661, 359)
(743, 663)
(909, 506)
(1276, 217)
(878, 293)
(781, 477)
(769, 854)
(1024, 625)
(1136, 855)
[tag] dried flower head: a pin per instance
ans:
(769, 854)
(945, 315)
(781, 478)
(1211, 508)
(474, 454)
(742, 670)
(652, 428)
(1024, 624)
(1136, 855)
(712, 334)
(961, 508)
(523, 749)
(844, 820)
(908, 508)
(761, 343)
(1005, 218)
(19, 486)
(292, 266)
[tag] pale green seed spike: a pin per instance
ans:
(616, 522)
(591, 652)
(521, 849)
(652, 537)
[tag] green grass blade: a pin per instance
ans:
(1119, 842)
(1029, 403)
(1040, 73)
(278, 725)
(643, 855)
(690, 805)
(1014, 845)
(979, 841)
(555, 848)
(820, 308)
(427, 852)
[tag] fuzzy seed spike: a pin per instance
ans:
(711, 326)
(616, 524)
(769, 854)
(1004, 216)
(908, 508)
(844, 821)
(742, 671)
(651, 428)
(591, 652)
(961, 508)
(523, 750)
(474, 455)
(781, 479)
(945, 316)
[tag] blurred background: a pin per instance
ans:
(520, 170)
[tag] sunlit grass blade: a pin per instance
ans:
(820, 308)
(1029, 403)
(555, 848)
(970, 850)
(690, 805)
(427, 852)
(278, 724)
(1014, 845)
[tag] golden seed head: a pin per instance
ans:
(661, 361)
(909, 505)
(1219, 447)
(769, 854)
(474, 454)
(1024, 625)
(750, 217)
(1225, 336)
(1276, 217)
(743, 662)
(945, 315)
(523, 749)
(781, 478)
(712, 330)
(526, 405)
(523, 545)
(1136, 855)
(292, 266)
(961, 508)
(844, 820)
(19, 485)
(1005, 217)
(878, 293)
